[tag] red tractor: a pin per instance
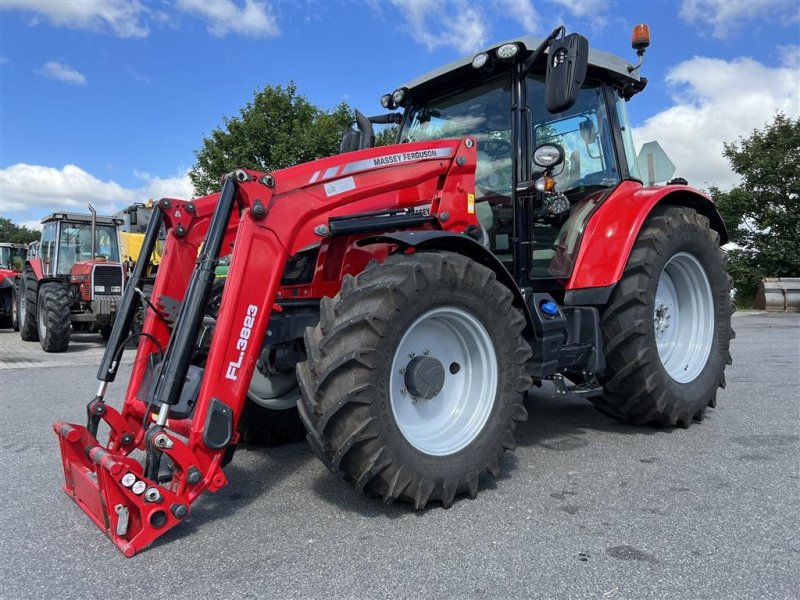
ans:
(404, 299)
(74, 280)
(12, 256)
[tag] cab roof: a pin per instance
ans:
(81, 218)
(613, 65)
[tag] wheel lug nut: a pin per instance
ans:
(403, 390)
(411, 355)
(426, 352)
(403, 370)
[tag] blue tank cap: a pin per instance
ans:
(549, 308)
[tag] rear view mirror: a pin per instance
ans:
(350, 142)
(566, 70)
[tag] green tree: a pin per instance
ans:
(763, 212)
(387, 135)
(277, 129)
(16, 234)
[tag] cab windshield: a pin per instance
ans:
(483, 112)
(76, 244)
(5, 257)
(11, 257)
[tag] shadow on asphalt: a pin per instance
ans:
(556, 424)
(267, 468)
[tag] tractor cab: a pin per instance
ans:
(68, 246)
(12, 256)
(555, 164)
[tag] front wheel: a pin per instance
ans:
(52, 315)
(415, 378)
(667, 327)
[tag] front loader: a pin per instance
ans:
(404, 299)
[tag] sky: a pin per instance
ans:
(106, 101)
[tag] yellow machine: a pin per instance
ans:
(131, 235)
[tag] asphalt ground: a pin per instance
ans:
(585, 508)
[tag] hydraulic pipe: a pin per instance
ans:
(181, 345)
(130, 301)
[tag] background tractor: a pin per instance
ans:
(404, 299)
(74, 280)
(12, 257)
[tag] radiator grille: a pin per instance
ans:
(107, 280)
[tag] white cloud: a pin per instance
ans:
(727, 16)
(790, 56)
(523, 12)
(53, 69)
(255, 19)
(595, 12)
(35, 225)
(125, 18)
(711, 106)
(35, 190)
(439, 23)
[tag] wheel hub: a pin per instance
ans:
(444, 380)
(661, 318)
(683, 317)
(424, 377)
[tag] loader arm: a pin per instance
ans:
(266, 218)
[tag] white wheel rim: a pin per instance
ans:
(683, 318)
(456, 415)
(40, 318)
(21, 305)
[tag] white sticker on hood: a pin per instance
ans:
(340, 186)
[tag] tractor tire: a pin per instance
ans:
(15, 307)
(667, 326)
(415, 378)
(52, 316)
(26, 307)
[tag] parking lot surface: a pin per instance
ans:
(585, 508)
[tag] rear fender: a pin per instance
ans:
(611, 232)
(38, 268)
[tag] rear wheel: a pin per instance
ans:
(415, 378)
(667, 326)
(15, 306)
(52, 315)
(26, 306)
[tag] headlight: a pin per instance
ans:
(399, 95)
(479, 60)
(507, 51)
(386, 101)
(548, 155)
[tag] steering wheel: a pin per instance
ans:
(495, 148)
(494, 156)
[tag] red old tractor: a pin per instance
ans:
(12, 256)
(74, 280)
(406, 298)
